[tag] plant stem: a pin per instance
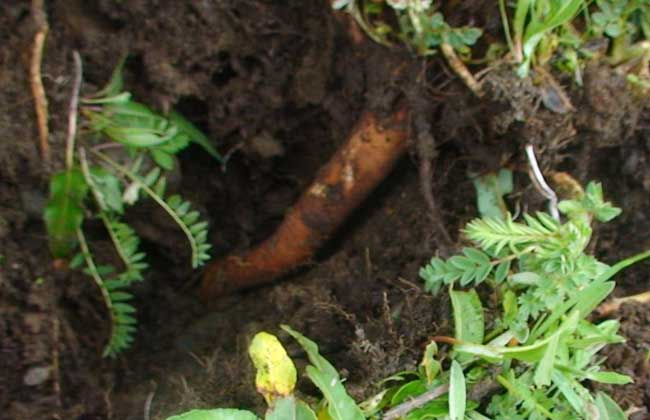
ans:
(92, 269)
(91, 184)
(506, 25)
(73, 111)
(412, 404)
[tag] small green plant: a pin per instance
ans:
(421, 26)
(533, 36)
(542, 348)
(99, 184)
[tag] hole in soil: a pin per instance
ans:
(224, 72)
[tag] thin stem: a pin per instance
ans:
(73, 110)
(92, 269)
(506, 25)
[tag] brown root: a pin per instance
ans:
(359, 165)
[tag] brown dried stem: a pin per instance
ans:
(35, 79)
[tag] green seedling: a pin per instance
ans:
(531, 33)
(623, 21)
(100, 185)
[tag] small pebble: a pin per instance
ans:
(37, 375)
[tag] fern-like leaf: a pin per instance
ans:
(179, 210)
(497, 234)
(123, 323)
(474, 266)
(127, 243)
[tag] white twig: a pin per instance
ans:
(412, 404)
(147, 405)
(540, 183)
(72, 111)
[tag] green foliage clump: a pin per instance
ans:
(421, 25)
(542, 348)
(97, 183)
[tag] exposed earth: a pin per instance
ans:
(279, 85)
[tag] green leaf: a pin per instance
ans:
(437, 408)
(276, 374)
(545, 367)
(288, 408)
(610, 378)
(429, 364)
(457, 392)
(502, 271)
(408, 390)
(216, 414)
(64, 213)
(116, 83)
(565, 386)
(163, 159)
(108, 189)
(607, 408)
(490, 190)
(469, 324)
(194, 134)
(340, 405)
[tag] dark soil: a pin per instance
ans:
(279, 84)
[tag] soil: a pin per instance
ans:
(279, 84)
